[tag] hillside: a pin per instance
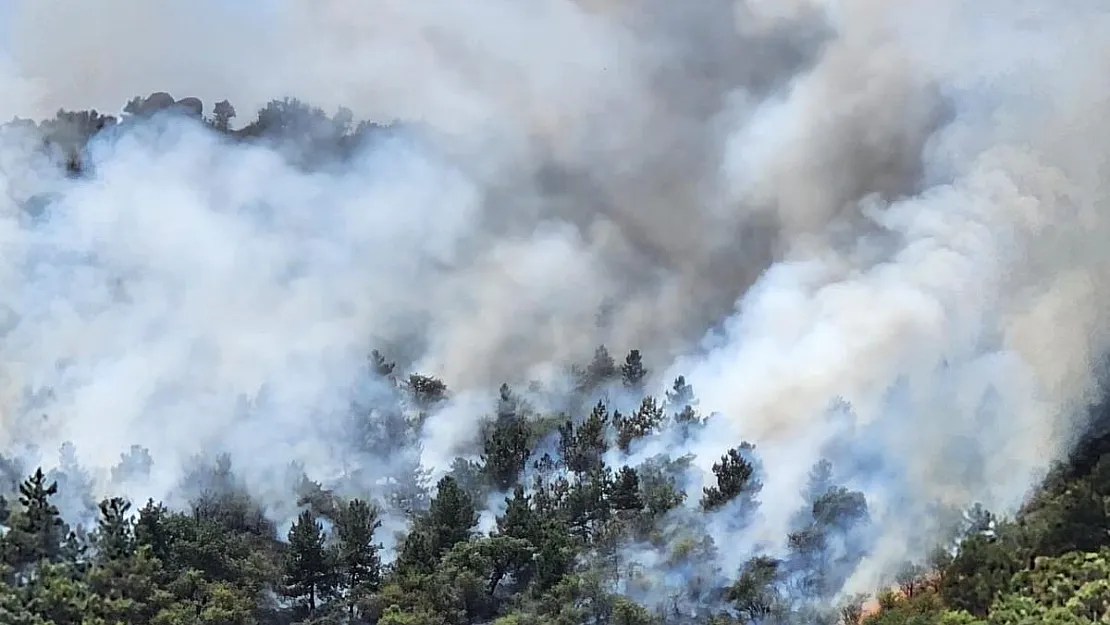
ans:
(578, 515)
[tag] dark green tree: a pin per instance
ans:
(583, 447)
(153, 530)
(37, 530)
(754, 593)
(471, 477)
(981, 570)
(359, 558)
(519, 519)
(735, 477)
(681, 395)
(115, 536)
(626, 491)
(451, 515)
(425, 391)
(682, 405)
(407, 487)
(587, 505)
(507, 446)
(310, 573)
(450, 520)
(659, 483)
(633, 372)
(602, 369)
(828, 548)
(645, 421)
(556, 552)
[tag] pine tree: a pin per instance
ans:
(426, 392)
(583, 448)
(115, 537)
(73, 480)
(451, 515)
(151, 530)
(735, 477)
(519, 519)
(506, 448)
(37, 531)
(588, 505)
(418, 553)
(359, 559)
(309, 571)
(380, 366)
(601, 369)
(754, 593)
(633, 372)
(450, 520)
(471, 477)
(645, 421)
(827, 548)
(681, 395)
(659, 483)
(683, 406)
(626, 491)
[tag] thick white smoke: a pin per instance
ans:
(915, 190)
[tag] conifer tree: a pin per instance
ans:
(309, 571)
(735, 477)
(626, 490)
(633, 371)
(359, 558)
(37, 531)
(506, 448)
(115, 536)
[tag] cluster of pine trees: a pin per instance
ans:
(577, 532)
(566, 546)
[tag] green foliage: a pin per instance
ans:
(582, 447)
(115, 536)
(633, 372)
(659, 483)
(310, 575)
(601, 370)
(646, 420)
(36, 530)
(754, 593)
(450, 520)
(980, 571)
(626, 491)
(735, 477)
(507, 447)
(359, 561)
(425, 391)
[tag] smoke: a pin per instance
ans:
(899, 205)
(961, 324)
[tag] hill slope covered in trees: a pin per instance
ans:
(558, 311)
(569, 505)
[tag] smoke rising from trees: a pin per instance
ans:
(865, 231)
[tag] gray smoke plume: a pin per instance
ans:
(894, 204)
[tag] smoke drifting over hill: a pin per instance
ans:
(897, 205)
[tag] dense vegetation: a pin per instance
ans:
(556, 518)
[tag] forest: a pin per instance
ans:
(558, 517)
